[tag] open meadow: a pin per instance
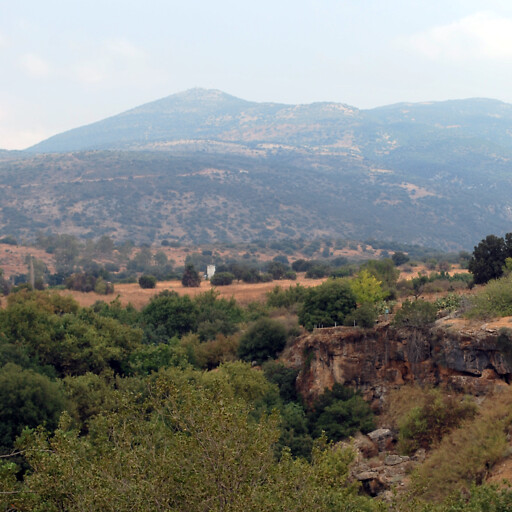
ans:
(244, 293)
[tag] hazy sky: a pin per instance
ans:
(67, 63)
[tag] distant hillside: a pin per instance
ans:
(203, 166)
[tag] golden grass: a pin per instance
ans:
(243, 293)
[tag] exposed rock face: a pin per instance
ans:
(373, 360)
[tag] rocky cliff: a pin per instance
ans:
(472, 360)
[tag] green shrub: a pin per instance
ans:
(340, 412)
(364, 316)
(327, 304)
(222, 279)
(147, 281)
(262, 341)
(431, 419)
(278, 298)
(495, 299)
(418, 314)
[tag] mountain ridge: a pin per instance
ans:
(204, 166)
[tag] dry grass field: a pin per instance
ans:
(243, 293)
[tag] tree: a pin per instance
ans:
(147, 281)
(417, 314)
(168, 315)
(340, 412)
(367, 288)
(399, 258)
(27, 399)
(385, 271)
(190, 277)
(327, 304)
(489, 258)
(263, 340)
(222, 279)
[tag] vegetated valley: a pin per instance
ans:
(196, 317)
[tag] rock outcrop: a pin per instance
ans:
(375, 360)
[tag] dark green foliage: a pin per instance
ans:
(399, 258)
(327, 304)
(418, 314)
(340, 412)
(489, 258)
(318, 270)
(88, 282)
(27, 399)
(190, 277)
(277, 269)
(168, 315)
(262, 341)
(147, 281)
(54, 331)
(279, 297)
(127, 315)
(302, 265)
(222, 278)
(364, 316)
(216, 315)
(284, 378)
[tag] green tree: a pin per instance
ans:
(399, 258)
(27, 399)
(168, 315)
(190, 277)
(262, 341)
(418, 314)
(147, 281)
(489, 258)
(386, 272)
(340, 412)
(327, 304)
(367, 288)
(222, 279)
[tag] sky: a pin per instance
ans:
(67, 63)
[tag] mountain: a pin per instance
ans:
(202, 166)
(207, 115)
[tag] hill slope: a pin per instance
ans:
(202, 166)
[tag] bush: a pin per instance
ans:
(435, 416)
(494, 300)
(147, 281)
(262, 341)
(278, 297)
(363, 316)
(340, 412)
(327, 304)
(418, 314)
(222, 279)
(27, 399)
